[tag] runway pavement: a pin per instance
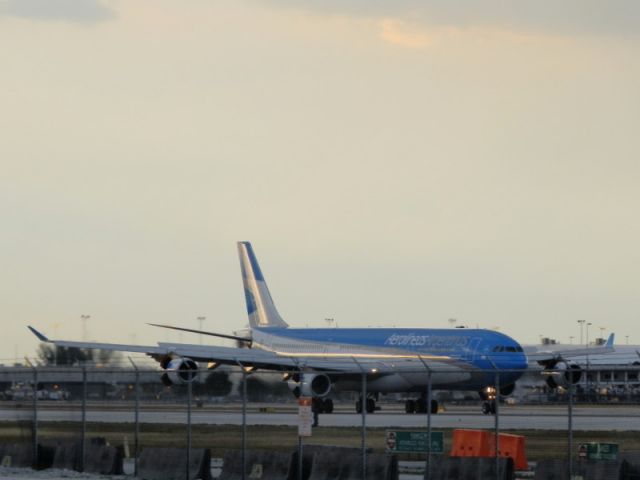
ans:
(621, 418)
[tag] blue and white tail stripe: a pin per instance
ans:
(260, 307)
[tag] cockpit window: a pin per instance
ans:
(502, 348)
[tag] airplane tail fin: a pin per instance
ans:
(260, 307)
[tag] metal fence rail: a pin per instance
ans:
(48, 403)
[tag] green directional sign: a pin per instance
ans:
(412, 441)
(598, 451)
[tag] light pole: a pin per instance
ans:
(602, 329)
(201, 321)
(627, 338)
(570, 339)
(84, 319)
(581, 322)
(587, 376)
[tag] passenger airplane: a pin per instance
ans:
(316, 361)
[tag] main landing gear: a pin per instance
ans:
(370, 404)
(420, 405)
(320, 405)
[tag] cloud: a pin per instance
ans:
(568, 17)
(399, 33)
(81, 11)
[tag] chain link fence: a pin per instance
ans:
(239, 409)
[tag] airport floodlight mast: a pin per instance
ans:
(452, 322)
(571, 339)
(587, 375)
(581, 322)
(84, 319)
(200, 322)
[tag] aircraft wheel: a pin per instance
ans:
(410, 406)
(371, 405)
(317, 405)
(327, 404)
(434, 406)
(486, 408)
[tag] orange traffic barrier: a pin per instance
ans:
(471, 443)
(481, 443)
(513, 446)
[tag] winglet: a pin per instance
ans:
(609, 343)
(40, 336)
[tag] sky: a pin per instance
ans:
(393, 163)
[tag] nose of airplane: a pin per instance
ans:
(513, 365)
(522, 362)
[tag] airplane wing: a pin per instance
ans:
(256, 358)
(549, 356)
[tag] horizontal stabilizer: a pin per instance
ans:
(202, 332)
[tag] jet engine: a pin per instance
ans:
(179, 371)
(562, 374)
(309, 384)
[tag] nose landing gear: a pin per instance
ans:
(489, 407)
(490, 397)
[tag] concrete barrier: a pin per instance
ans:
(382, 466)
(16, 455)
(170, 464)
(259, 465)
(470, 468)
(46, 454)
(309, 451)
(630, 468)
(558, 469)
(67, 455)
(103, 459)
(331, 464)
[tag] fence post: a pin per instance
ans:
(300, 443)
(136, 433)
(497, 426)
(84, 416)
(244, 420)
(189, 395)
(427, 467)
(35, 417)
(300, 453)
(570, 427)
(363, 412)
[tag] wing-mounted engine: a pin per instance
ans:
(561, 373)
(178, 371)
(309, 384)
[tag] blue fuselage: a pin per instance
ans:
(482, 353)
